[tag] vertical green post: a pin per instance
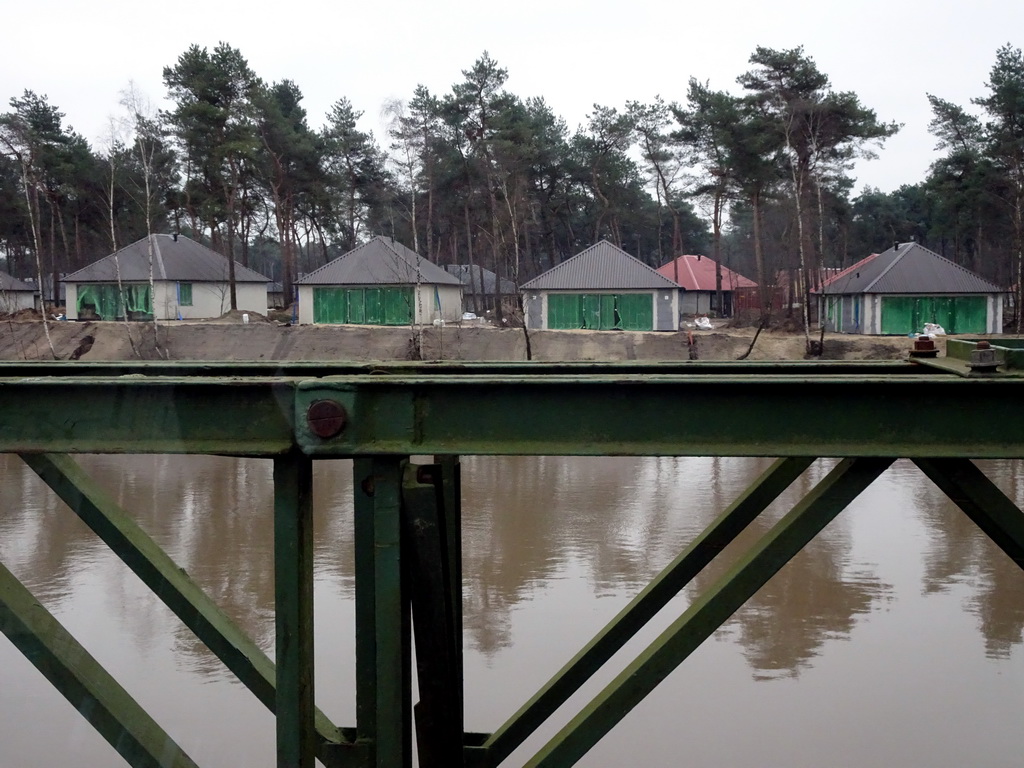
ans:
(430, 563)
(293, 599)
(383, 644)
(451, 496)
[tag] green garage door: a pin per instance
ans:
(363, 306)
(636, 311)
(601, 311)
(956, 314)
(565, 311)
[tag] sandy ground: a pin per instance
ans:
(228, 338)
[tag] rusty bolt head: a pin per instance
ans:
(326, 418)
(982, 345)
(369, 485)
(924, 347)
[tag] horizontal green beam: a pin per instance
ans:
(138, 414)
(737, 409)
(83, 682)
(320, 369)
(738, 415)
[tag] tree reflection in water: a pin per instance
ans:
(553, 547)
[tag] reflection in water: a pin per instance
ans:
(959, 553)
(553, 548)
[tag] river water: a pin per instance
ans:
(894, 639)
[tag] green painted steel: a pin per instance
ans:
(398, 410)
(293, 615)
(641, 609)
(383, 645)
(119, 531)
(706, 614)
(146, 414)
(802, 415)
(82, 681)
(408, 561)
(438, 637)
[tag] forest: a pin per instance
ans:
(757, 179)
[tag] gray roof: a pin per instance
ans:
(908, 268)
(382, 261)
(600, 267)
(174, 258)
(8, 283)
(476, 279)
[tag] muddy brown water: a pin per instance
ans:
(894, 639)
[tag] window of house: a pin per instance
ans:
(185, 294)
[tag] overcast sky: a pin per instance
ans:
(574, 53)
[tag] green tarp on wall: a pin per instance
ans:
(363, 306)
(956, 314)
(601, 311)
(102, 301)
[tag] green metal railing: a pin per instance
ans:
(408, 563)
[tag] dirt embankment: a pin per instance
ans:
(231, 339)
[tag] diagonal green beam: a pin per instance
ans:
(642, 608)
(708, 613)
(980, 500)
(83, 681)
(170, 583)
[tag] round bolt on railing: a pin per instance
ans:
(326, 418)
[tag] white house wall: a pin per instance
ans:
(71, 301)
(209, 300)
(15, 301)
(994, 321)
(695, 303)
(305, 299)
(450, 297)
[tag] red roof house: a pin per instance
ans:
(696, 276)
